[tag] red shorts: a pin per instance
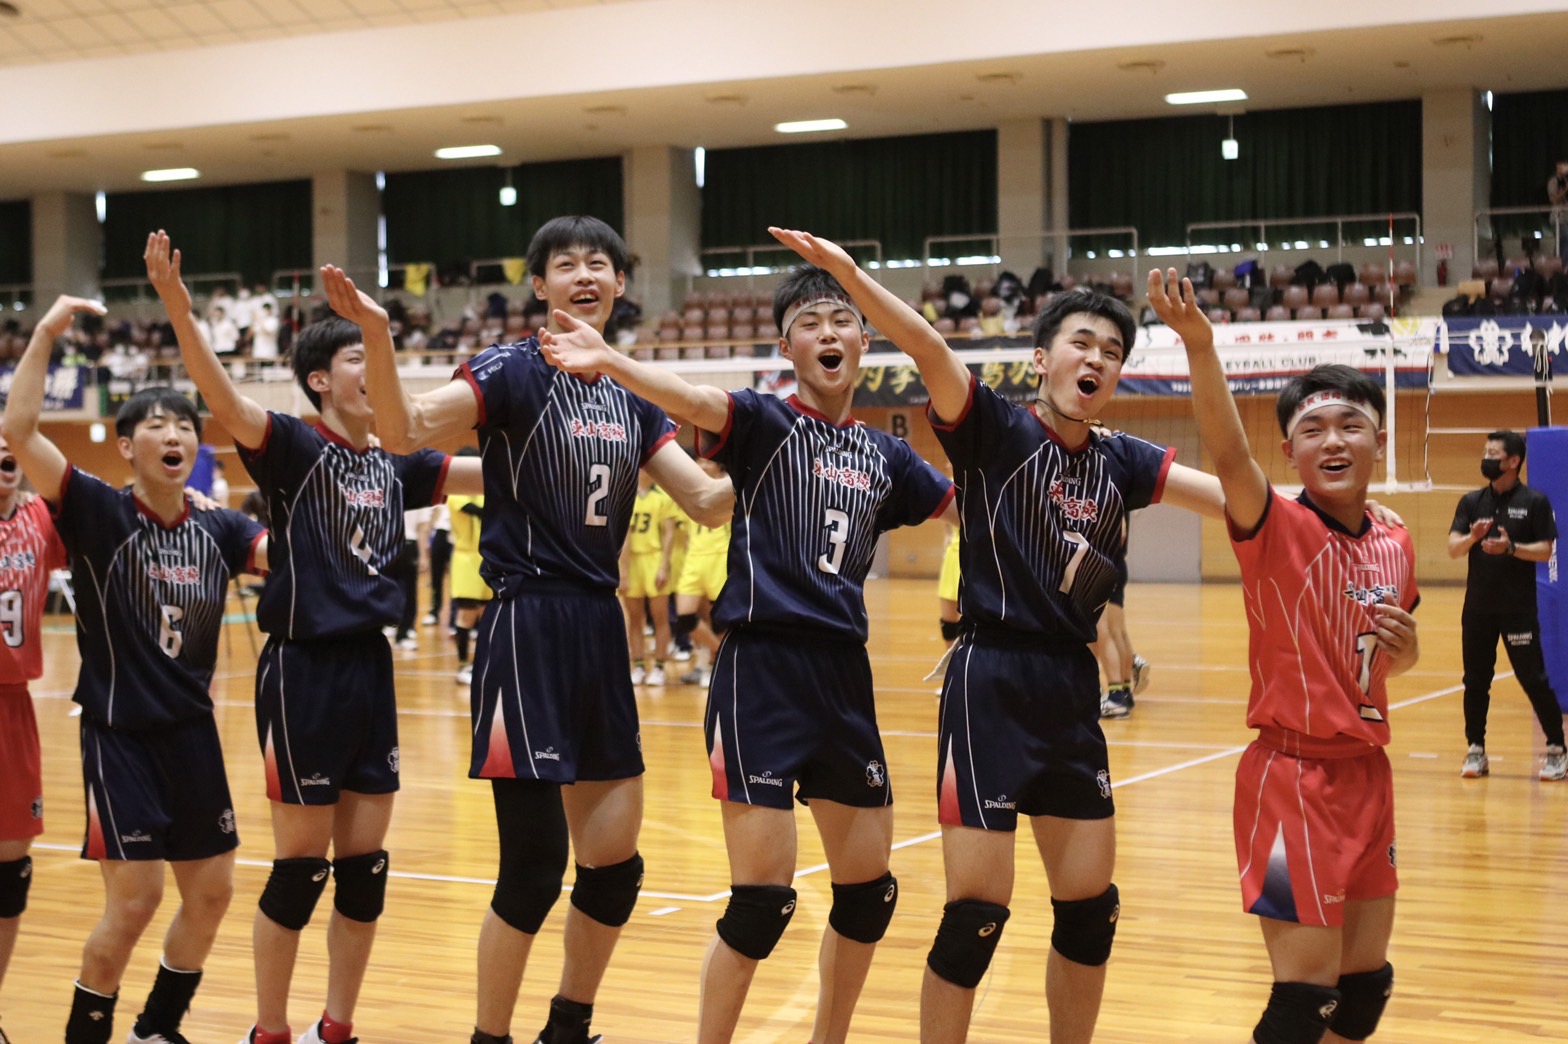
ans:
(1313, 832)
(21, 778)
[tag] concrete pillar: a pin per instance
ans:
(1456, 177)
(1059, 218)
(345, 213)
(67, 246)
(663, 224)
(1022, 200)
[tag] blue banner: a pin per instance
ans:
(1500, 345)
(65, 388)
(1547, 463)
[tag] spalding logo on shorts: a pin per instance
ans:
(226, 821)
(38, 807)
(986, 929)
(874, 776)
(394, 759)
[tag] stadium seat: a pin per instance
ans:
(1277, 314)
(1340, 311)
(1295, 297)
(1325, 295)
(1372, 311)
(1501, 287)
(1224, 279)
(1237, 298)
(1308, 313)
(1209, 297)
(1357, 294)
(1248, 314)
(1486, 268)
(1218, 315)
(1547, 265)
(1405, 273)
(1373, 275)
(1280, 276)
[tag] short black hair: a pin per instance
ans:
(1088, 301)
(1347, 380)
(316, 345)
(561, 234)
(805, 283)
(1513, 442)
(154, 400)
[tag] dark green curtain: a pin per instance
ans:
(1529, 138)
(452, 217)
(1159, 174)
(16, 242)
(251, 229)
(894, 190)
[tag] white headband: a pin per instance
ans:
(1318, 400)
(793, 311)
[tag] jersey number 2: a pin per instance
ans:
(598, 489)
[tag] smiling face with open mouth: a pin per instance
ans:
(583, 283)
(825, 341)
(1079, 368)
(10, 472)
(1335, 448)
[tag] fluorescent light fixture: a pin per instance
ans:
(808, 126)
(508, 196)
(171, 174)
(468, 151)
(1200, 97)
(1230, 149)
(101, 205)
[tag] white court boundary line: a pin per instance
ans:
(817, 868)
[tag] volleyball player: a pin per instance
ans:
(790, 704)
(1328, 594)
(647, 578)
(326, 716)
(151, 582)
(701, 579)
(555, 719)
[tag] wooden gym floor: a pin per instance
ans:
(1480, 947)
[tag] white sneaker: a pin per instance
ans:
(679, 654)
(313, 1036)
(430, 620)
(465, 674)
(410, 642)
(1556, 764)
(695, 676)
(1141, 671)
(153, 1038)
(1476, 764)
(655, 677)
(638, 673)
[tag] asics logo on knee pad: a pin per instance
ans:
(322, 876)
(986, 929)
(787, 909)
(889, 895)
(1326, 1012)
(381, 864)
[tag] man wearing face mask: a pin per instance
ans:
(1506, 527)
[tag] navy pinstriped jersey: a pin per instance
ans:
(337, 523)
(811, 498)
(1042, 525)
(149, 601)
(560, 462)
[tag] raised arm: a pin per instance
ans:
(946, 378)
(42, 462)
(404, 422)
(1219, 424)
(706, 501)
(579, 348)
(241, 417)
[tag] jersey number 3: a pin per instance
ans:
(836, 522)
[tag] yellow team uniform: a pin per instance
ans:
(645, 544)
(707, 562)
(947, 579)
(466, 581)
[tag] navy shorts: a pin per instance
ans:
(326, 718)
(552, 693)
(1118, 594)
(156, 795)
(1020, 733)
(788, 710)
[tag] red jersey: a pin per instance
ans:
(30, 550)
(1309, 586)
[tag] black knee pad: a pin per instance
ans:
(1298, 1013)
(531, 827)
(861, 912)
(755, 918)
(1085, 928)
(361, 892)
(951, 629)
(965, 941)
(685, 623)
(293, 889)
(1362, 998)
(608, 893)
(15, 878)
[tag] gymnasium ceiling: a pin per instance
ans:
(95, 91)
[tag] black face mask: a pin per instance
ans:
(1492, 468)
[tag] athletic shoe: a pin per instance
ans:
(677, 653)
(639, 672)
(695, 676)
(465, 674)
(655, 677)
(1556, 764)
(155, 1038)
(1141, 670)
(408, 641)
(1476, 764)
(430, 620)
(313, 1036)
(597, 1038)
(1116, 704)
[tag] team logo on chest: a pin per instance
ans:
(171, 569)
(596, 429)
(1074, 508)
(842, 474)
(371, 498)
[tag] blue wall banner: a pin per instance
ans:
(65, 388)
(1499, 346)
(1546, 464)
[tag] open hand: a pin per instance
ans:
(1396, 629)
(163, 272)
(348, 300)
(578, 348)
(824, 253)
(58, 319)
(1178, 307)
